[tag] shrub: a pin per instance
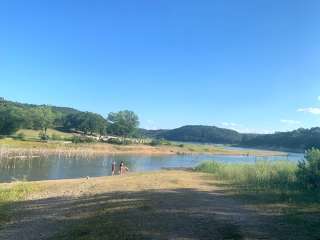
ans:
(21, 136)
(119, 141)
(43, 136)
(56, 137)
(82, 139)
(208, 166)
(308, 173)
(155, 142)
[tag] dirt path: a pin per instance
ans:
(161, 205)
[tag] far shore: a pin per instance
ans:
(10, 148)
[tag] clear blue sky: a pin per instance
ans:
(249, 65)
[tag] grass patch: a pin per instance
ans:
(34, 134)
(261, 175)
(11, 194)
(273, 188)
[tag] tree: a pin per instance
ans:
(309, 169)
(44, 118)
(123, 123)
(10, 120)
(86, 122)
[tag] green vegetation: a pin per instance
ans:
(291, 191)
(282, 175)
(308, 173)
(9, 195)
(10, 120)
(15, 116)
(298, 139)
(204, 134)
(123, 123)
(86, 122)
(82, 139)
(159, 142)
(261, 175)
(44, 118)
(30, 134)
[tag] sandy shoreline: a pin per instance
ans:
(37, 149)
(158, 205)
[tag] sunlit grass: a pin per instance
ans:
(262, 174)
(11, 194)
(271, 187)
(34, 134)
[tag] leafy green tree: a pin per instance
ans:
(86, 122)
(123, 123)
(44, 118)
(10, 120)
(309, 169)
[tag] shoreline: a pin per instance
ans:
(16, 149)
(109, 149)
(146, 202)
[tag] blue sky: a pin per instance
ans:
(248, 65)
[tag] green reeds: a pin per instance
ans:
(262, 174)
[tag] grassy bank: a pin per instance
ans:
(29, 134)
(273, 188)
(10, 194)
(14, 148)
(261, 175)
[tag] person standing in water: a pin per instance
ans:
(113, 168)
(123, 168)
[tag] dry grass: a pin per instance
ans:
(11, 148)
(34, 134)
(159, 205)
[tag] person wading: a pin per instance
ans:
(113, 168)
(123, 168)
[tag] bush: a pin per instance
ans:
(82, 139)
(155, 142)
(308, 173)
(43, 136)
(119, 141)
(21, 136)
(208, 166)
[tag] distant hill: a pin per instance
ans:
(27, 117)
(26, 106)
(199, 133)
(299, 139)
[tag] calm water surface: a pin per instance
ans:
(64, 168)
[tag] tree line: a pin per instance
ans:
(299, 139)
(15, 116)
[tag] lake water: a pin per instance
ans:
(64, 168)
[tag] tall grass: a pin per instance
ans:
(260, 175)
(10, 194)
